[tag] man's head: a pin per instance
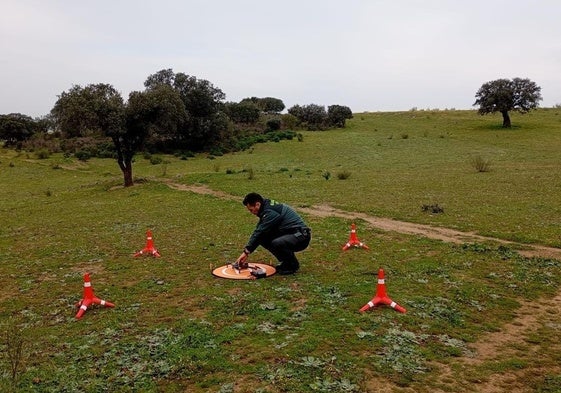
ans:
(253, 202)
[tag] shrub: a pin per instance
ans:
(102, 148)
(83, 155)
(155, 160)
(41, 141)
(289, 121)
(273, 125)
(43, 154)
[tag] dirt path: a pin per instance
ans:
(432, 232)
(387, 224)
(497, 345)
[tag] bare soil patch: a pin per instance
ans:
(200, 189)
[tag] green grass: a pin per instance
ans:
(176, 328)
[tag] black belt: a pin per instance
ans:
(303, 230)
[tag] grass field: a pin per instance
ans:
(480, 317)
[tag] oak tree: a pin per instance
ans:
(504, 95)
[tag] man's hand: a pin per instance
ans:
(242, 258)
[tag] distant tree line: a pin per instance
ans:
(175, 113)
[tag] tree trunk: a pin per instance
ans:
(124, 159)
(506, 119)
(127, 174)
(126, 167)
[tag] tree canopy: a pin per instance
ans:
(504, 95)
(315, 117)
(202, 101)
(99, 108)
(338, 114)
(266, 104)
(15, 128)
(94, 108)
(245, 112)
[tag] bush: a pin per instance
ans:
(43, 154)
(42, 141)
(273, 125)
(155, 160)
(92, 147)
(83, 155)
(289, 121)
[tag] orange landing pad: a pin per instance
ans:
(228, 271)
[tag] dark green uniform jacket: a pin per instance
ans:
(275, 219)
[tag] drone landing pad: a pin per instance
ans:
(228, 271)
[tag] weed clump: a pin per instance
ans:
(481, 164)
(250, 173)
(43, 154)
(434, 208)
(343, 175)
(14, 343)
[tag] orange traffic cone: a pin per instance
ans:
(89, 298)
(149, 249)
(353, 240)
(381, 296)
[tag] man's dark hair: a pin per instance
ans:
(252, 198)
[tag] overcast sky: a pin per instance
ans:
(369, 55)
